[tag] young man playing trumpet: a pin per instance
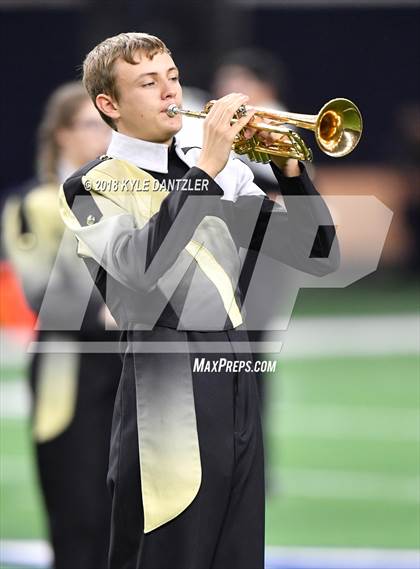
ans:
(186, 463)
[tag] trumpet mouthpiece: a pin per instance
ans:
(172, 110)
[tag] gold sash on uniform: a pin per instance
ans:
(168, 441)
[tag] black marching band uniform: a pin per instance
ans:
(73, 393)
(186, 463)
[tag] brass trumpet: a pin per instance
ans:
(337, 128)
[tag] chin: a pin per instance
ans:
(164, 137)
(172, 131)
(177, 129)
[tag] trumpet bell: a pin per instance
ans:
(338, 127)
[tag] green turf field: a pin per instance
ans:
(342, 443)
(343, 456)
(344, 453)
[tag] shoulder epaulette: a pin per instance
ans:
(73, 187)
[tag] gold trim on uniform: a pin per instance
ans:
(168, 440)
(56, 395)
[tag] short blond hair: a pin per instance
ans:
(98, 67)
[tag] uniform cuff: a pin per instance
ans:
(295, 186)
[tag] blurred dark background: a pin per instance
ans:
(365, 51)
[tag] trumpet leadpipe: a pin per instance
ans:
(174, 110)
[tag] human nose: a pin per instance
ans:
(169, 89)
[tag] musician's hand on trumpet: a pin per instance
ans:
(289, 166)
(219, 132)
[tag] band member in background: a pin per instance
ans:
(186, 464)
(72, 393)
(262, 76)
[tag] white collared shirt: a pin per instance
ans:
(236, 179)
(144, 154)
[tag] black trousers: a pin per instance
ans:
(73, 466)
(223, 528)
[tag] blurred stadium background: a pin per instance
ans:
(344, 419)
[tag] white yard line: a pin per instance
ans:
(37, 554)
(351, 336)
(13, 344)
(337, 558)
(346, 485)
(28, 553)
(308, 420)
(305, 337)
(14, 399)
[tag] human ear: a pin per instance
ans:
(107, 106)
